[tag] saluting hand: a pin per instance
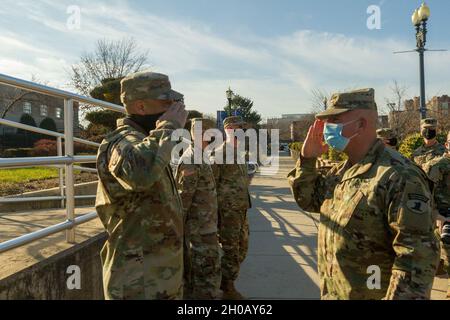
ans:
(177, 113)
(314, 145)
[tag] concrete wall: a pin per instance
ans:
(47, 280)
(88, 188)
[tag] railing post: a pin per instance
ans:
(70, 188)
(60, 170)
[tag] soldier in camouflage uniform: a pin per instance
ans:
(375, 208)
(198, 192)
(388, 137)
(438, 171)
(234, 200)
(137, 200)
(432, 148)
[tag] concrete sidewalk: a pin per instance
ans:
(282, 258)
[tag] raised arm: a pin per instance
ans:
(305, 182)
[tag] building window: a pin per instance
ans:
(44, 110)
(27, 108)
(445, 105)
(58, 113)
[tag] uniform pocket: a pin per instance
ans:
(348, 208)
(123, 276)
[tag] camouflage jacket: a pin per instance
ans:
(197, 189)
(232, 183)
(139, 206)
(438, 171)
(424, 154)
(375, 216)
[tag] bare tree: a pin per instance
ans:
(402, 121)
(319, 99)
(9, 98)
(399, 92)
(210, 116)
(111, 59)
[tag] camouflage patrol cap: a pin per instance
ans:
(428, 123)
(348, 101)
(147, 85)
(385, 133)
(233, 120)
(206, 123)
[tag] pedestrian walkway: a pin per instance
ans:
(282, 258)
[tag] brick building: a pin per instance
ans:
(37, 105)
(437, 106)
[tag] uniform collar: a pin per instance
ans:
(366, 163)
(434, 144)
(128, 122)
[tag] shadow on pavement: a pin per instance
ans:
(282, 258)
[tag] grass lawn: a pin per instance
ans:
(19, 181)
(27, 174)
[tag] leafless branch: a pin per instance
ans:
(110, 59)
(10, 98)
(318, 100)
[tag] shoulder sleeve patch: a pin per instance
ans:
(418, 203)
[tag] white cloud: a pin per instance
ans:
(23, 60)
(11, 45)
(278, 73)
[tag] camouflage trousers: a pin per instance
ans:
(141, 278)
(445, 252)
(233, 235)
(202, 269)
(445, 258)
(445, 255)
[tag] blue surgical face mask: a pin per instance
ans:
(332, 134)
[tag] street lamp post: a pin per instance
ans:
(230, 95)
(419, 20)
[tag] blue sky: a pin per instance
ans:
(275, 52)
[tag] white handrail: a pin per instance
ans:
(37, 199)
(39, 88)
(67, 160)
(44, 131)
(33, 236)
(7, 163)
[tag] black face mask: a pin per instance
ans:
(429, 133)
(148, 122)
(392, 142)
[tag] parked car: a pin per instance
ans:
(284, 146)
